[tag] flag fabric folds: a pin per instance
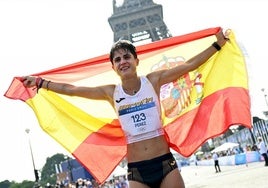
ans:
(200, 105)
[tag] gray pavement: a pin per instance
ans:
(254, 175)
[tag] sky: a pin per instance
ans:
(38, 35)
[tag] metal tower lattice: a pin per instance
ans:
(138, 21)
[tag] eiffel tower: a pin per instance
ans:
(139, 21)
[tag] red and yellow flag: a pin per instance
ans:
(200, 105)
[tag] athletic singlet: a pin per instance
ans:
(139, 115)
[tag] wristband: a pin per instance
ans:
(40, 84)
(216, 45)
(48, 84)
(37, 81)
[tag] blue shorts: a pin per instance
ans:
(152, 172)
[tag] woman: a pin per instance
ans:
(136, 102)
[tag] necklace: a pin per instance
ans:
(132, 90)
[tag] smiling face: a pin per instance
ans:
(124, 63)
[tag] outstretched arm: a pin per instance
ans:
(100, 93)
(165, 76)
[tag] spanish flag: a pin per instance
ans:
(200, 105)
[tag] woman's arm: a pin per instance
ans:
(99, 93)
(165, 76)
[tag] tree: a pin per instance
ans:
(24, 184)
(48, 173)
(5, 184)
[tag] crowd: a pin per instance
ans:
(117, 182)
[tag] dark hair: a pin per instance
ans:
(123, 44)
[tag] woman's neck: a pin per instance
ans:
(131, 86)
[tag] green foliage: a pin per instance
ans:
(5, 184)
(24, 184)
(48, 173)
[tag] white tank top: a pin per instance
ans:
(139, 114)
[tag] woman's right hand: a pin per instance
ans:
(30, 81)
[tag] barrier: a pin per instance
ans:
(237, 159)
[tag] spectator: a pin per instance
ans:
(263, 150)
(216, 162)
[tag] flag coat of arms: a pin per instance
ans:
(200, 105)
